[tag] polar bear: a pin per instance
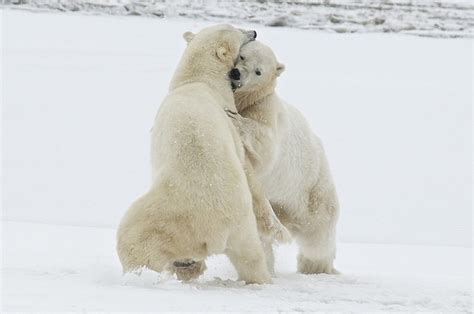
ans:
(288, 159)
(200, 202)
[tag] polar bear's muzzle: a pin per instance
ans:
(235, 81)
(234, 74)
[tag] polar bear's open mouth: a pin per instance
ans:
(235, 85)
(235, 79)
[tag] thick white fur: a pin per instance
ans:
(288, 159)
(199, 203)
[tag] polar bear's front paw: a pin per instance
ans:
(232, 114)
(281, 234)
(271, 227)
(235, 116)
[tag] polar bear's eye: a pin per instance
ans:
(258, 72)
(242, 58)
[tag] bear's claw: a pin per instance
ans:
(231, 114)
(183, 263)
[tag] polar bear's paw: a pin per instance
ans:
(309, 266)
(280, 233)
(237, 119)
(232, 114)
(187, 270)
(271, 227)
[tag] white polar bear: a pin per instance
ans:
(199, 203)
(288, 159)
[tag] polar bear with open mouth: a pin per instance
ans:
(200, 202)
(288, 159)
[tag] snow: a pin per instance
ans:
(63, 268)
(446, 18)
(79, 97)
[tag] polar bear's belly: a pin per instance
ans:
(286, 185)
(294, 174)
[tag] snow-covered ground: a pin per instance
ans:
(63, 268)
(80, 94)
(439, 18)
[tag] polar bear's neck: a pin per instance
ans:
(203, 67)
(244, 99)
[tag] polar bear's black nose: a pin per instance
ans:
(234, 74)
(254, 34)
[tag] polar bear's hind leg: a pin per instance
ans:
(246, 254)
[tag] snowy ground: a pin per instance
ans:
(445, 18)
(80, 94)
(64, 268)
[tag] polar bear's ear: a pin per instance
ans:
(222, 52)
(280, 69)
(188, 36)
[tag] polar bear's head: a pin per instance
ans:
(222, 41)
(256, 69)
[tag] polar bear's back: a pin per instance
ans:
(199, 193)
(194, 143)
(196, 163)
